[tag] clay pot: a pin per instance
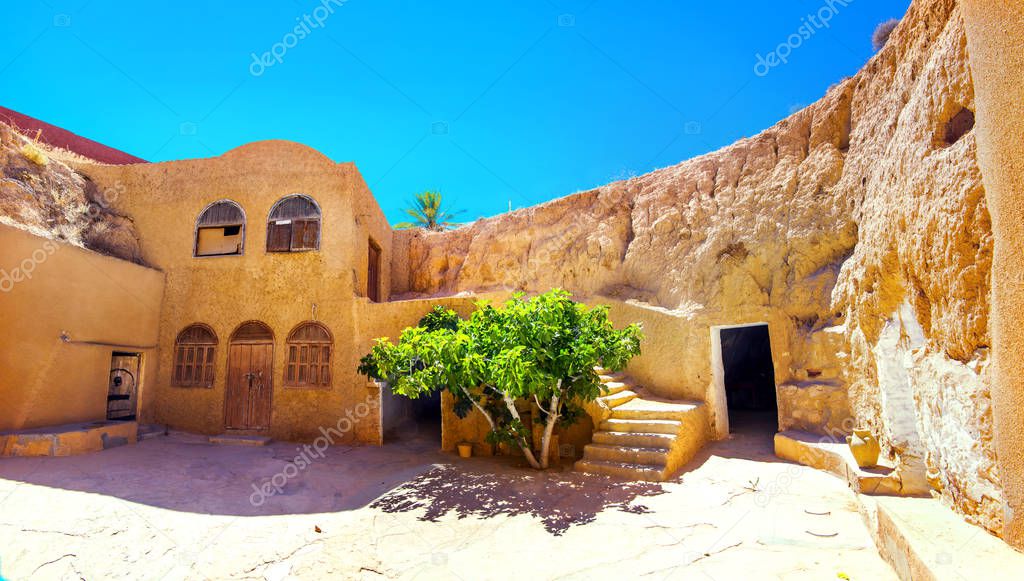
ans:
(466, 450)
(864, 447)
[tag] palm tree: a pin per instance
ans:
(427, 213)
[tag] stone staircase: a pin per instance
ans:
(638, 437)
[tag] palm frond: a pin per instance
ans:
(428, 212)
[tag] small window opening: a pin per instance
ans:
(373, 273)
(960, 125)
(220, 230)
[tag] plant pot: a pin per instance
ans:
(864, 447)
(465, 450)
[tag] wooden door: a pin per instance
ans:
(248, 399)
(123, 386)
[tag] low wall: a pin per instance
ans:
(50, 290)
(69, 440)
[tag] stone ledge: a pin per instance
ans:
(239, 440)
(68, 439)
(924, 540)
(823, 453)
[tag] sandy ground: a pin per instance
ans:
(177, 507)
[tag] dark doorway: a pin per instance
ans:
(426, 415)
(749, 376)
(411, 420)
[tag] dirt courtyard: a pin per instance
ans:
(177, 507)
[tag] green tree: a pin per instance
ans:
(543, 349)
(428, 213)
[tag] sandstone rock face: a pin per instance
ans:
(50, 199)
(857, 226)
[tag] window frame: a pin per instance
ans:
(273, 224)
(182, 350)
(293, 368)
(198, 226)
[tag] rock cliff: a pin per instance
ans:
(858, 225)
(42, 194)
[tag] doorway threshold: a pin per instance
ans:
(239, 440)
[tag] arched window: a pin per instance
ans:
(252, 332)
(294, 225)
(220, 230)
(194, 351)
(309, 356)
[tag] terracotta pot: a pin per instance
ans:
(465, 450)
(864, 447)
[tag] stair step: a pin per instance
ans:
(635, 439)
(616, 399)
(239, 440)
(645, 426)
(609, 376)
(614, 386)
(657, 457)
(642, 409)
(622, 470)
(147, 431)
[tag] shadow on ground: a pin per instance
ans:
(186, 473)
(559, 500)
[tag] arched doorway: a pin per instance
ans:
(249, 393)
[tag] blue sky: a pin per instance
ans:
(489, 102)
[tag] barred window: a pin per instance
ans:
(309, 356)
(194, 351)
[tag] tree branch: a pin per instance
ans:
(477, 405)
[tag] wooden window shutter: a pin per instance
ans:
(311, 237)
(279, 237)
(208, 377)
(305, 234)
(194, 352)
(309, 356)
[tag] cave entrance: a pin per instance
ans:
(408, 420)
(744, 395)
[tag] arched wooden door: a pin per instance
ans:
(248, 400)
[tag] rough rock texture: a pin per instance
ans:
(41, 194)
(861, 213)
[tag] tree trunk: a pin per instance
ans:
(550, 427)
(511, 405)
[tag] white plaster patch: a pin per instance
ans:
(894, 362)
